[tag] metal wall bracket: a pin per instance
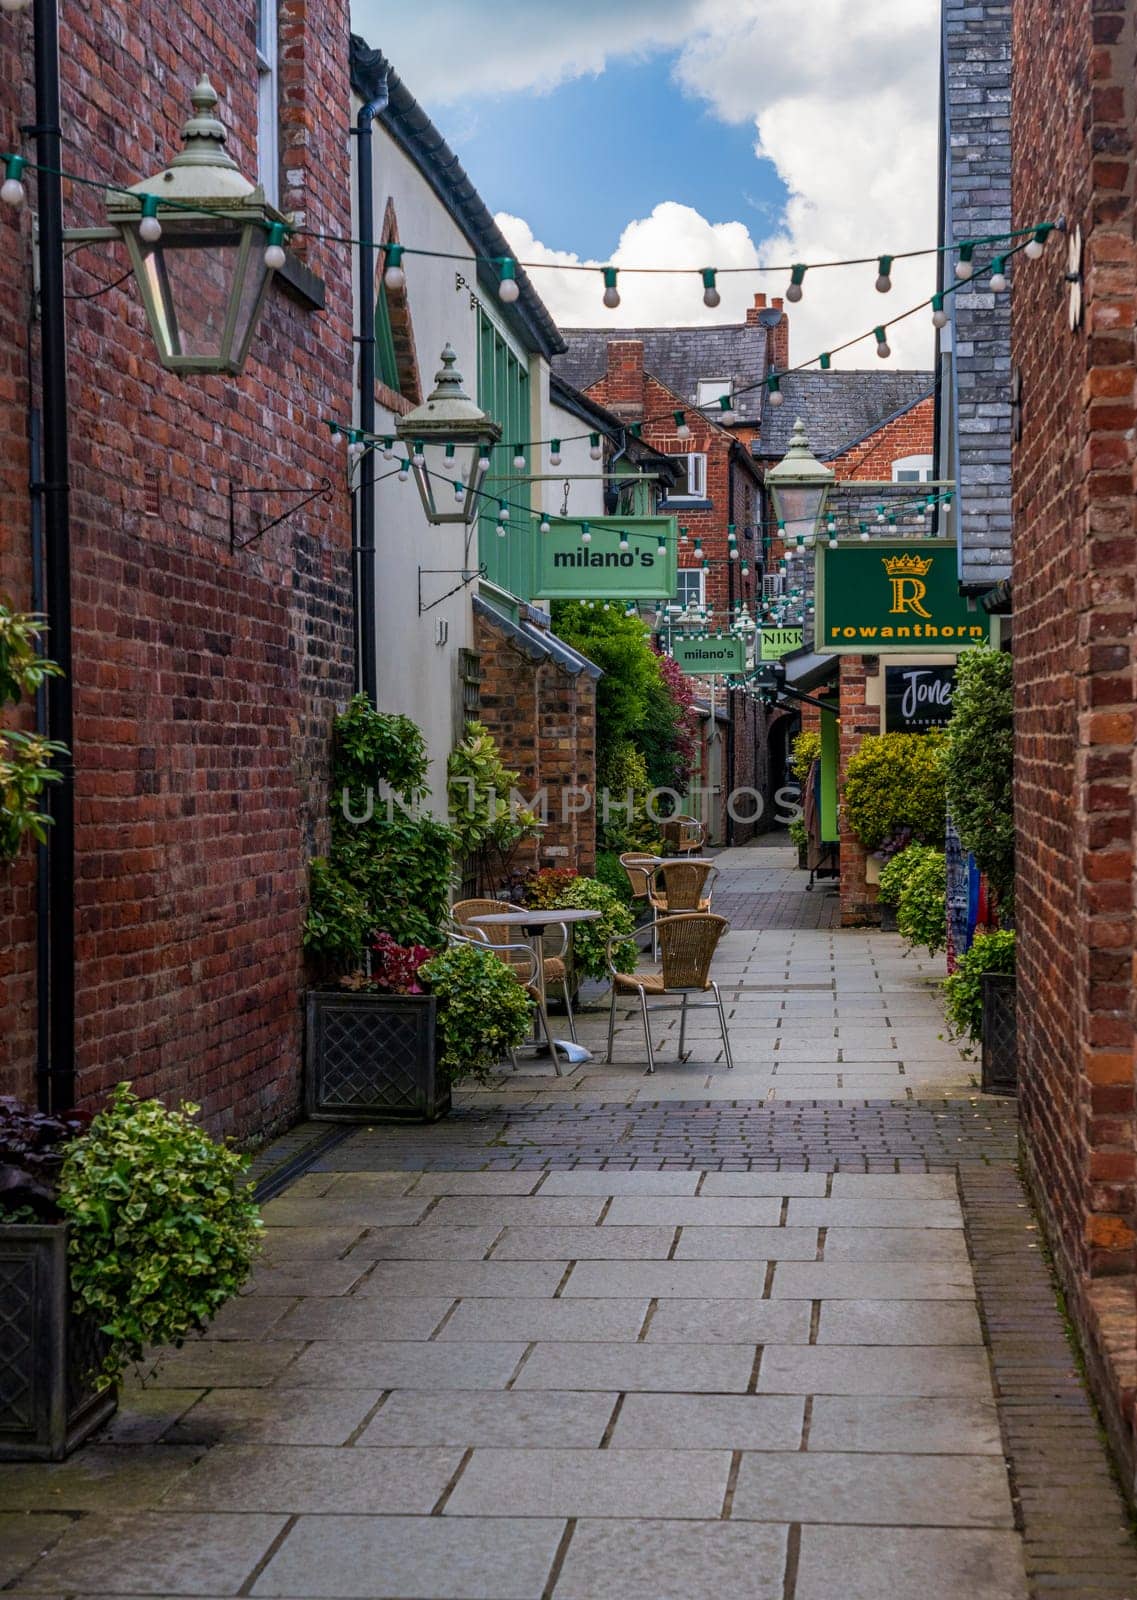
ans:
(325, 491)
(464, 573)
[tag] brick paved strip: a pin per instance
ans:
(1078, 1543)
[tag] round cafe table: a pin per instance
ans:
(532, 925)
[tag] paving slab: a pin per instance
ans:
(156, 1553)
(429, 1242)
(778, 1184)
(307, 1278)
(871, 1280)
(659, 1560)
(663, 1367)
(462, 1279)
(442, 1183)
(504, 1211)
(355, 1185)
(276, 1416)
(694, 1212)
(875, 1369)
(251, 1316)
(890, 1490)
(545, 1319)
(909, 1564)
(671, 1280)
(103, 1477)
(742, 1321)
(499, 1558)
(24, 1539)
(896, 1322)
(585, 1244)
(284, 1245)
(746, 1244)
(144, 1415)
(592, 1483)
(913, 1426)
(312, 1478)
(399, 1364)
(893, 1213)
(337, 1212)
(585, 1181)
(567, 1419)
(673, 1421)
(896, 1244)
(365, 1317)
(230, 1363)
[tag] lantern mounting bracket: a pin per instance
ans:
(325, 490)
(463, 573)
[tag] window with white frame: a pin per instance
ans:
(710, 391)
(268, 100)
(690, 583)
(912, 469)
(692, 483)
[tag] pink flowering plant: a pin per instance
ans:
(395, 967)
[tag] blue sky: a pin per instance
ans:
(636, 139)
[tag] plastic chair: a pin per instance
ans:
(522, 962)
(687, 942)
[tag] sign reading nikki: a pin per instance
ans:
(705, 657)
(570, 568)
(884, 595)
(774, 643)
(917, 698)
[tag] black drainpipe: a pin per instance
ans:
(364, 520)
(52, 490)
(731, 697)
(43, 855)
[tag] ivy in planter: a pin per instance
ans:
(163, 1226)
(894, 875)
(963, 990)
(896, 781)
(979, 765)
(483, 1012)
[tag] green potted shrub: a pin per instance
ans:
(979, 998)
(979, 766)
(921, 915)
(894, 877)
(129, 1233)
(895, 782)
(799, 838)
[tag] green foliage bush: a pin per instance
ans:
(483, 1012)
(963, 991)
(611, 874)
(895, 875)
(625, 774)
(979, 764)
(921, 915)
(25, 758)
(590, 939)
(478, 788)
(339, 918)
(895, 781)
(163, 1226)
(805, 750)
(798, 834)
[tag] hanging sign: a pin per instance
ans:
(568, 568)
(705, 657)
(917, 698)
(891, 595)
(774, 643)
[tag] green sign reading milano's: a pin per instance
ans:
(705, 657)
(570, 569)
(887, 595)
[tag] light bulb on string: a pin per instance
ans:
(554, 452)
(880, 513)
(508, 290)
(964, 267)
(623, 541)
(833, 541)
(519, 458)
(939, 315)
(883, 348)
(393, 275)
(274, 250)
(865, 534)
(545, 526)
(726, 408)
(355, 446)
(661, 549)
(611, 293)
(404, 469)
(683, 535)
(594, 446)
(418, 455)
(774, 395)
(884, 275)
(388, 449)
(459, 491)
(1036, 246)
(150, 229)
(797, 277)
(12, 189)
(998, 279)
(682, 431)
(585, 533)
(448, 462)
(483, 462)
(502, 516)
(711, 296)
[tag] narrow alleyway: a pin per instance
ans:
(778, 1331)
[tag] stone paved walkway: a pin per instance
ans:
(614, 1336)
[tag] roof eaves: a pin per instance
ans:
(831, 455)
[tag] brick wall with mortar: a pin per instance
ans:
(205, 683)
(544, 720)
(634, 396)
(907, 435)
(1075, 578)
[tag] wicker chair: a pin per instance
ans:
(522, 962)
(687, 942)
(684, 834)
(639, 868)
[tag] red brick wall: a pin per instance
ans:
(544, 721)
(1075, 566)
(908, 435)
(204, 682)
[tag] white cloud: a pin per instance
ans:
(843, 97)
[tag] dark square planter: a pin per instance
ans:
(48, 1355)
(1000, 1048)
(371, 1057)
(887, 918)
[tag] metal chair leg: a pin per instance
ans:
(612, 1025)
(568, 1013)
(682, 1028)
(545, 1023)
(647, 1032)
(722, 1025)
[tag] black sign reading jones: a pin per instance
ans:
(917, 698)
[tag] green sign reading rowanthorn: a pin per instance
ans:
(887, 595)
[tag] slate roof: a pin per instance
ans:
(839, 409)
(373, 78)
(678, 357)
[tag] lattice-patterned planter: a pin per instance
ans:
(48, 1402)
(371, 1057)
(1000, 1045)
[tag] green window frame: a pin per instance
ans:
(386, 362)
(503, 393)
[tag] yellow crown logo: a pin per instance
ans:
(907, 566)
